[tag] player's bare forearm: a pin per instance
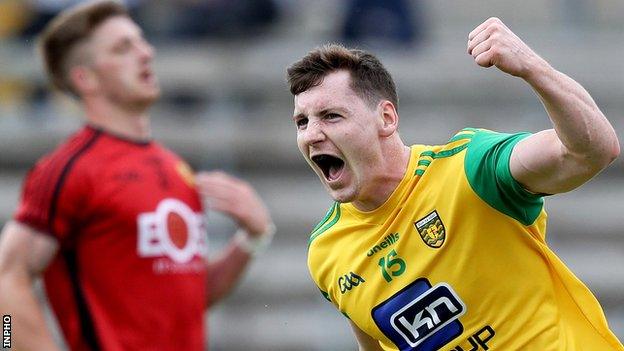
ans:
(23, 255)
(18, 300)
(225, 271)
(579, 123)
(582, 142)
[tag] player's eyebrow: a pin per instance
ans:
(325, 111)
(322, 112)
(333, 109)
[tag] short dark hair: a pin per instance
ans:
(369, 78)
(59, 39)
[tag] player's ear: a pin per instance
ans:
(83, 79)
(389, 117)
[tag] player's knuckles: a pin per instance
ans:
(494, 21)
(474, 33)
(469, 46)
(495, 51)
(472, 45)
(497, 37)
(479, 49)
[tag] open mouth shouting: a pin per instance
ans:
(331, 166)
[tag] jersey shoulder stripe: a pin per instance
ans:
(63, 176)
(455, 145)
(45, 181)
(331, 218)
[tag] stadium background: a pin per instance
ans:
(225, 105)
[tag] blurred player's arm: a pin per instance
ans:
(24, 255)
(365, 342)
(582, 143)
(238, 200)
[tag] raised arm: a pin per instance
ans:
(582, 141)
(24, 255)
(238, 200)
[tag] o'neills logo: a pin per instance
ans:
(173, 230)
(388, 241)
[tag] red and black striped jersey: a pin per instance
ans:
(130, 273)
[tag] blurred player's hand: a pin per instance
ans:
(493, 44)
(235, 198)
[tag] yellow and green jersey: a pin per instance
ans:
(456, 259)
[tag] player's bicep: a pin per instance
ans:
(542, 165)
(365, 341)
(25, 250)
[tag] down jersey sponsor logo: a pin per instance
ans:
(173, 230)
(421, 317)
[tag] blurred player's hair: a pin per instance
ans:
(59, 43)
(369, 78)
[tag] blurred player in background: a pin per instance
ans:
(112, 219)
(443, 247)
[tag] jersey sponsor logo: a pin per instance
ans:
(421, 317)
(431, 229)
(387, 242)
(349, 281)
(173, 230)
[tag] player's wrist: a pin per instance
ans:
(256, 244)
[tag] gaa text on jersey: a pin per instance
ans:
(349, 281)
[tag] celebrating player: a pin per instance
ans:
(112, 219)
(443, 247)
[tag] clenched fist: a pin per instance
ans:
(493, 44)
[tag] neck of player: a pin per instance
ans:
(391, 170)
(132, 123)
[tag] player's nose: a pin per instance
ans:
(146, 51)
(314, 133)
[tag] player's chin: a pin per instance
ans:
(149, 96)
(153, 93)
(341, 194)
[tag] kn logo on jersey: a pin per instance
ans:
(421, 317)
(173, 230)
